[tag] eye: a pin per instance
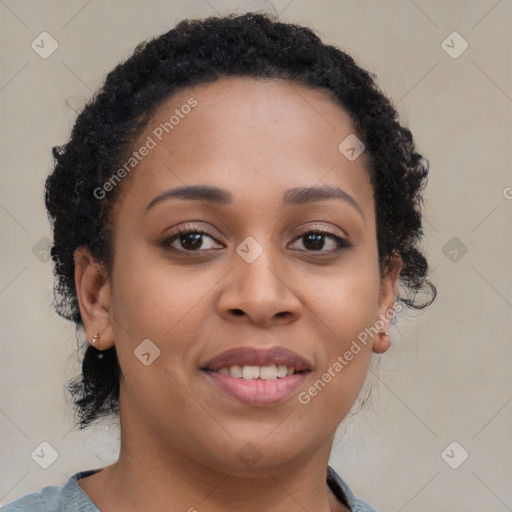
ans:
(315, 240)
(189, 238)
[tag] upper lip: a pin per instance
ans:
(249, 356)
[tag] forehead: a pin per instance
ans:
(260, 106)
(252, 136)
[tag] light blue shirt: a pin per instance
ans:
(72, 498)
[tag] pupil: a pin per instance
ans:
(194, 245)
(317, 238)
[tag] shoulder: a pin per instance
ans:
(345, 494)
(68, 498)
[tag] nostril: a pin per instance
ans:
(238, 312)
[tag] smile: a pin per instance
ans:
(255, 376)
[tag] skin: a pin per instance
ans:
(180, 437)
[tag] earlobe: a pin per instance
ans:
(93, 291)
(388, 296)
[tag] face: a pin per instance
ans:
(249, 278)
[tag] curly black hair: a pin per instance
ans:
(200, 51)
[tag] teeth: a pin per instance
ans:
(236, 371)
(268, 372)
(282, 370)
(248, 372)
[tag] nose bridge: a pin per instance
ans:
(258, 264)
(258, 285)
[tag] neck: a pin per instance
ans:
(151, 475)
(150, 483)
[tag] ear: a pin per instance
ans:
(388, 294)
(93, 291)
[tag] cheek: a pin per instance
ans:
(148, 294)
(151, 302)
(347, 300)
(153, 299)
(345, 308)
(344, 362)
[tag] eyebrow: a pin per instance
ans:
(292, 197)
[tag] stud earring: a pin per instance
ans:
(95, 338)
(385, 333)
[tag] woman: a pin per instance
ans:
(233, 215)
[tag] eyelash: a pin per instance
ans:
(190, 229)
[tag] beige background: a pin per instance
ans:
(448, 375)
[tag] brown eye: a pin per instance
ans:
(192, 239)
(316, 240)
(188, 239)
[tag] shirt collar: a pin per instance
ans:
(339, 488)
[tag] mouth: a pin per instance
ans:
(257, 377)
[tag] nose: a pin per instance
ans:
(259, 293)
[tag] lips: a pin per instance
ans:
(248, 356)
(257, 377)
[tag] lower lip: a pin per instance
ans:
(256, 391)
